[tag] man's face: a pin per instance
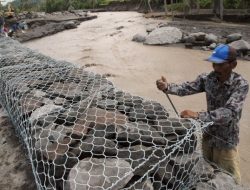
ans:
(223, 70)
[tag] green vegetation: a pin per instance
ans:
(61, 5)
(182, 5)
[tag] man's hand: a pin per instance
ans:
(189, 114)
(162, 83)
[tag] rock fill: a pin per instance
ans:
(81, 132)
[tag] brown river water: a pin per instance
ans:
(104, 46)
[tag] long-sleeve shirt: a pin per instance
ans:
(224, 105)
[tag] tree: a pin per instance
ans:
(218, 8)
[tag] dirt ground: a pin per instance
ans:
(104, 45)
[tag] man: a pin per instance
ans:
(225, 92)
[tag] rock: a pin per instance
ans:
(145, 165)
(133, 132)
(68, 90)
(59, 101)
(164, 174)
(160, 25)
(30, 103)
(189, 39)
(119, 27)
(97, 174)
(70, 25)
(150, 29)
(203, 169)
(205, 48)
(139, 38)
(45, 110)
(107, 104)
(134, 153)
(164, 35)
(240, 45)
(105, 117)
(40, 14)
(211, 38)
(189, 45)
(203, 186)
(98, 146)
(223, 181)
(212, 46)
(199, 36)
(233, 37)
(102, 130)
(182, 166)
(144, 184)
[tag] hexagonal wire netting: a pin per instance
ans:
(80, 132)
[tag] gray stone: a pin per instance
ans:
(69, 90)
(189, 39)
(223, 181)
(204, 186)
(134, 153)
(203, 170)
(211, 38)
(233, 37)
(30, 103)
(133, 132)
(150, 28)
(139, 38)
(212, 46)
(119, 27)
(70, 25)
(173, 125)
(240, 45)
(199, 36)
(95, 146)
(59, 101)
(205, 48)
(45, 110)
(147, 164)
(164, 173)
(182, 166)
(144, 184)
(99, 174)
(107, 104)
(105, 131)
(38, 93)
(164, 35)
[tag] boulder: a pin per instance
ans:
(223, 181)
(97, 174)
(240, 45)
(70, 25)
(198, 36)
(233, 37)
(211, 38)
(164, 35)
(139, 38)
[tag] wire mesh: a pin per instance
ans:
(81, 132)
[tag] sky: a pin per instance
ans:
(4, 2)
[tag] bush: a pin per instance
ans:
(205, 4)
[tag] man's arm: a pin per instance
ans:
(186, 88)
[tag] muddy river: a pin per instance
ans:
(104, 45)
